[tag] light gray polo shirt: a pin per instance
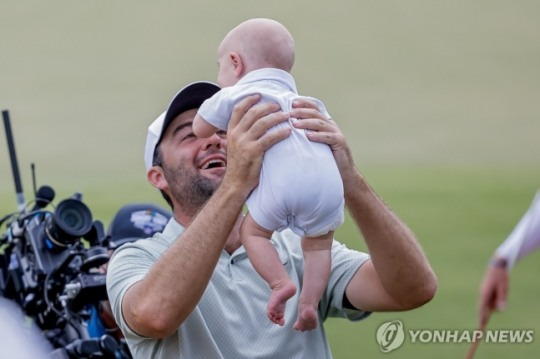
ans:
(230, 320)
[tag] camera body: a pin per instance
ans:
(50, 266)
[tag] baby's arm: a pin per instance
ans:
(201, 128)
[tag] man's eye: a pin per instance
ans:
(188, 136)
(221, 133)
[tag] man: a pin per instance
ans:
(131, 222)
(191, 292)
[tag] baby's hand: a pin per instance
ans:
(201, 128)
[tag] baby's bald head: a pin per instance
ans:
(260, 43)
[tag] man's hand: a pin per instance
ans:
(493, 291)
(321, 128)
(398, 276)
(248, 138)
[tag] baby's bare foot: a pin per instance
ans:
(307, 318)
(278, 299)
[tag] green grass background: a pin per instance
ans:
(439, 100)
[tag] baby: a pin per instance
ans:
(300, 186)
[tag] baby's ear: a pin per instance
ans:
(238, 64)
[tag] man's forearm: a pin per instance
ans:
(158, 304)
(398, 260)
(399, 276)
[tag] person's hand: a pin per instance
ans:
(248, 138)
(107, 319)
(321, 128)
(493, 290)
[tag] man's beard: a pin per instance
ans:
(190, 189)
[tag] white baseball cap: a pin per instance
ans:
(190, 97)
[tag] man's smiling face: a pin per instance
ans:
(193, 167)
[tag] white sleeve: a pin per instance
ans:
(217, 110)
(525, 237)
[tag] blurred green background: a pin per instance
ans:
(439, 100)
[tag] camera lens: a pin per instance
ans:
(71, 220)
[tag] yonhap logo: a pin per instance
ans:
(390, 335)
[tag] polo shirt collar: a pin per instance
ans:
(173, 229)
(270, 74)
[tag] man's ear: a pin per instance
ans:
(156, 178)
(238, 64)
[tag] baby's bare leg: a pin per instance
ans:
(317, 260)
(265, 260)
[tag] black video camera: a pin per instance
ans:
(46, 266)
(50, 266)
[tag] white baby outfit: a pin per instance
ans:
(300, 186)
